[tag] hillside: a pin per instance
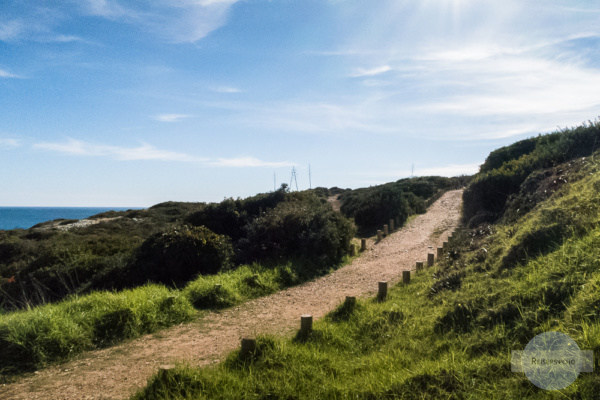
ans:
(527, 263)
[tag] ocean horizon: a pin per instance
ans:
(26, 217)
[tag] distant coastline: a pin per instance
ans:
(26, 217)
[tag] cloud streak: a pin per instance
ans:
(171, 117)
(184, 21)
(146, 152)
(362, 72)
(6, 74)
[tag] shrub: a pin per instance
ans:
(372, 207)
(305, 229)
(507, 168)
(179, 254)
(230, 216)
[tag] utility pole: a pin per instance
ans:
(293, 178)
(274, 182)
(309, 178)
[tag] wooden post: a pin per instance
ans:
(450, 237)
(350, 300)
(352, 250)
(444, 245)
(391, 225)
(419, 266)
(430, 259)
(363, 244)
(406, 277)
(386, 230)
(440, 252)
(379, 235)
(218, 287)
(306, 321)
(382, 293)
(248, 347)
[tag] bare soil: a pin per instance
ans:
(118, 372)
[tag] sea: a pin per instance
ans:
(26, 217)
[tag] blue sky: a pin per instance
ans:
(130, 103)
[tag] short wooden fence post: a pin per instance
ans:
(383, 288)
(419, 266)
(363, 244)
(306, 323)
(248, 347)
(406, 277)
(430, 260)
(386, 230)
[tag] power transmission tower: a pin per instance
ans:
(293, 178)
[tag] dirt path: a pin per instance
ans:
(119, 371)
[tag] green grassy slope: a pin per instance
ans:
(450, 332)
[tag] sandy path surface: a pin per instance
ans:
(118, 372)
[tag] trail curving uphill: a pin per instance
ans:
(119, 371)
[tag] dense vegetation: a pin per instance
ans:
(450, 332)
(55, 259)
(374, 206)
(507, 168)
(170, 243)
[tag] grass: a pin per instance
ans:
(447, 335)
(31, 339)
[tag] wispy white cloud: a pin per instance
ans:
(11, 29)
(227, 89)
(143, 152)
(146, 152)
(249, 162)
(366, 72)
(8, 143)
(181, 21)
(516, 86)
(6, 74)
(171, 117)
(104, 8)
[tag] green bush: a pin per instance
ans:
(230, 216)
(180, 254)
(507, 168)
(373, 207)
(303, 229)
